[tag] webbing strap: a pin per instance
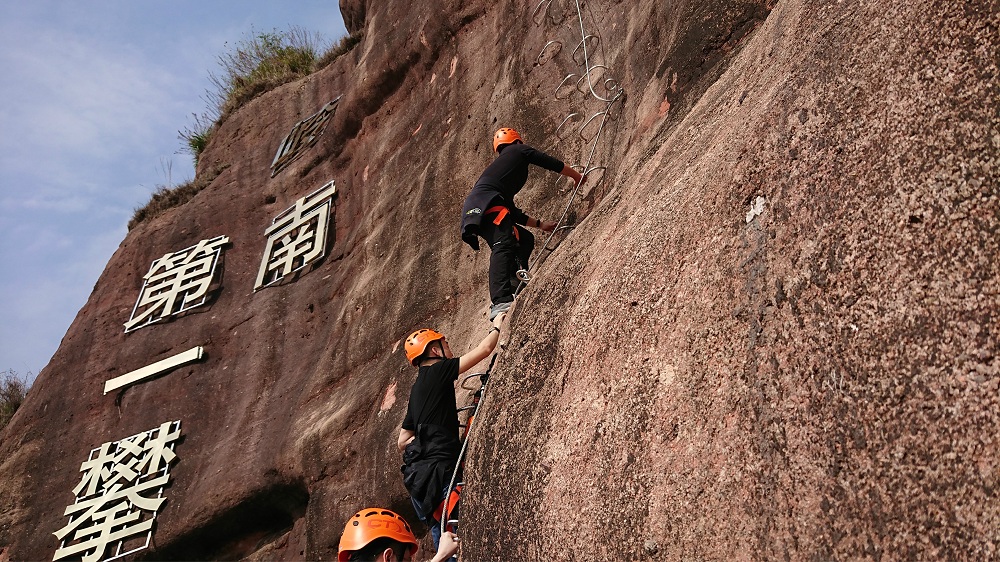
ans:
(501, 212)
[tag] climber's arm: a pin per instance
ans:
(405, 436)
(485, 347)
(572, 174)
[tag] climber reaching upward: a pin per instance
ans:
(429, 436)
(489, 212)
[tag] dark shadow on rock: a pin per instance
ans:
(241, 530)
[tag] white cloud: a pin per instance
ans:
(94, 94)
(82, 101)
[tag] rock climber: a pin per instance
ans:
(489, 212)
(381, 535)
(429, 436)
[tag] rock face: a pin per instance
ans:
(771, 334)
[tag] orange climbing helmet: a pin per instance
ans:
(417, 342)
(370, 524)
(505, 136)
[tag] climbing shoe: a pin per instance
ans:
(499, 308)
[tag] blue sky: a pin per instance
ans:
(92, 96)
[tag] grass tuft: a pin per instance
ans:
(196, 137)
(345, 45)
(261, 62)
(166, 197)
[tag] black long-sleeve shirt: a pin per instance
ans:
(498, 185)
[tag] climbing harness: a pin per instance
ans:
(447, 507)
(501, 213)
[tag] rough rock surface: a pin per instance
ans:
(770, 336)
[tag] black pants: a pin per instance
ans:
(509, 253)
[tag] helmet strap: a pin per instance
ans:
(428, 357)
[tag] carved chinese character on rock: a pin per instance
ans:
(297, 237)
(303, 135)
(119, 495)
(176, 282)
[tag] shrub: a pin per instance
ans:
(258, 63)
(166, 197)
(13, 390)
(261, 62)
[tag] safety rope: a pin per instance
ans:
(484, 379)
(576, 189)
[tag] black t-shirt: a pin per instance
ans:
(432, 398)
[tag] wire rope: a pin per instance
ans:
(610, 85)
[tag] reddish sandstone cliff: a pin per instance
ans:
(679, 383)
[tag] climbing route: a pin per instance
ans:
(589, 87)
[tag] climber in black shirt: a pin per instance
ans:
(489, 212)
(429, 437)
